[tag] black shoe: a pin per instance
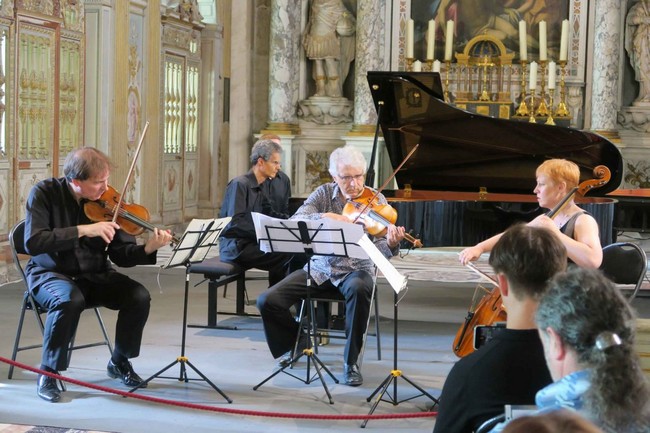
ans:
(47, 389)
(285, 360)
(125, 373)
(352, 375)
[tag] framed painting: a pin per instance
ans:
(499, 18)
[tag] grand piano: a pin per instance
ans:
(472, 176)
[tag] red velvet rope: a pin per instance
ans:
(220, 409)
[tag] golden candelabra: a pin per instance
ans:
(409, 64)
(542, 109)
(429, 65)
(562, 110)
(448, 63)
(522, 110)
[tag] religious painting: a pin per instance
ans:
(498, 18)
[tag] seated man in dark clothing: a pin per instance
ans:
(248, 193)
(510, 368)
(70, 269)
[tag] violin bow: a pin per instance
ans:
(128, 175)
(386, 182)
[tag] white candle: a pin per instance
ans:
(417, 66)
(564, 41)
(551, 75)
(409, 39)
(542, 41)
(431, 39)
(523, 50)
(436, 66)
(533, 76)
(449, 40)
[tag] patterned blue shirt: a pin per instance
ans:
(328, 198)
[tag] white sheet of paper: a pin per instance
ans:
(192, 235)
(396, 280)
(328, 237)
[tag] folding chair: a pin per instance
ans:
(17, 243)
(318, 332)
(625, 263)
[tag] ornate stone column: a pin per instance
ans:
(606, 67)
(370, 56)
(284, 70)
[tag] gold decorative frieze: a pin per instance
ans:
(182, 38)
(7, 8)
(44, 7)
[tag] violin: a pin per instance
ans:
(132, 218)
(375, 217)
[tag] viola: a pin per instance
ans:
(374, 216)
(488, 311)
(132, 218)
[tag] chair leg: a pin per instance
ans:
(19, 331)
(104, 333)
(375, 300)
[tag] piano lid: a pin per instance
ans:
(463, 151)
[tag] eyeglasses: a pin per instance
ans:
(356, 177)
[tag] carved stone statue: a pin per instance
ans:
(637, 44)
(329, 41)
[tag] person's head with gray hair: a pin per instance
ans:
(346, 156)
(264, 149)
(586, 324)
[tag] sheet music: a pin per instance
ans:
(328, 237)
(396, 280)
(200, 235)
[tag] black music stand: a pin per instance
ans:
(319, 237)
(200, 236)
(395, 373)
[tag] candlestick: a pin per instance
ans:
(549, 120)
(562, 110)
(542, 41)
(448, 63)
(409, 38)
(531, 119)
(409, 63)
(522, 110)
(564, 41)
(431, 40)
(542, 109)
(523, 42)
(449, 40)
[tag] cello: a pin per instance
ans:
(490, 310)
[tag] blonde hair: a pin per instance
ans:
(560, 170)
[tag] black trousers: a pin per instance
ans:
(65, 298)
(249, 255)
(281, 328)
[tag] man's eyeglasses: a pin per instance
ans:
(356, 177)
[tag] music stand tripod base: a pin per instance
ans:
(309, 378)
(197, 240)
(392, 377)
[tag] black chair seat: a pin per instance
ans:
(220, 274)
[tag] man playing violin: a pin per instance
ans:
(351, 277)
(70, 270)
(574, 227)
(510, 368)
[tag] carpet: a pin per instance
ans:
(16, 428)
